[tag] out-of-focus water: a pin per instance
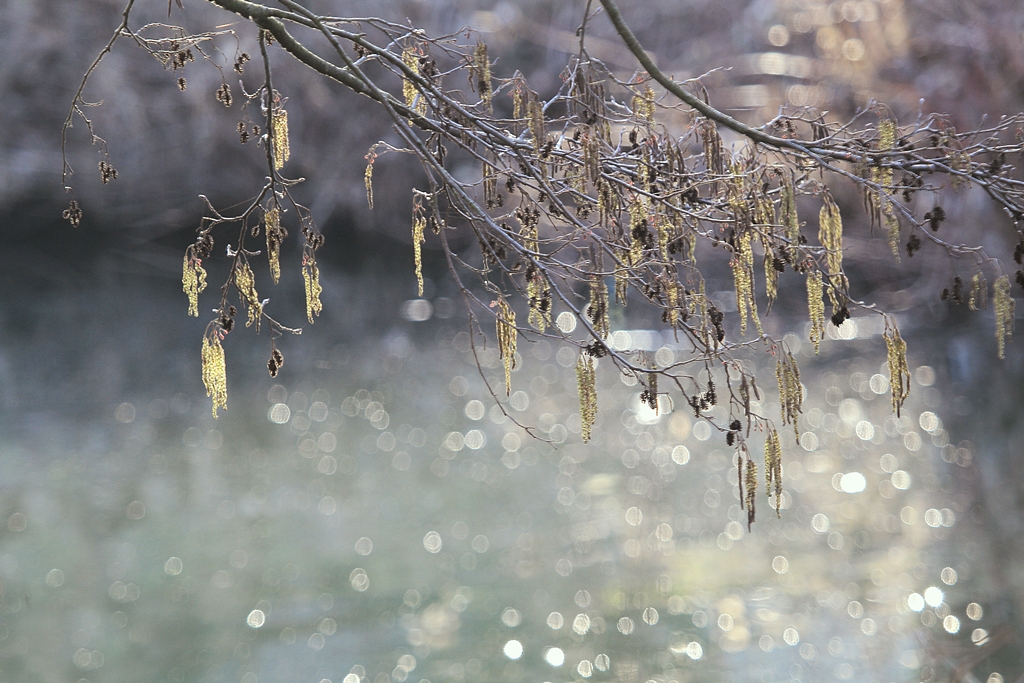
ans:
(372, 512)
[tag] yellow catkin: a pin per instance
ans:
(418, 225)
(637, 216)
(272, 226)
(815, 308)
(700, 304)
(586, 384)
(771, 275)
(535, 112)
(713, 157)
(482, 71)
(764, 218)
(622, 280)
(598, 308)
(830, 233)
(539, 294)
(505, 324)
(279, 142)
(666, 231)
(409, 92)
(215, 372)
(791, 393)
(899, 372)
(490, 184)
(592, 155)
(773, 468)
(690, 240)
(749, 498)
(311, 278)
(882, 176)
(245, 281)
(787, 208)
(892, 226)
(979, 293)
(193, 281)
(644, 173)
(672, 295)
(368, 181)
(960, 161)
(1004, 306)
(743, 276)
(643, 106)
(517, 101)
(886, 141)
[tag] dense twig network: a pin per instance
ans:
(595, 195)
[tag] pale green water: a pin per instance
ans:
(146, 542)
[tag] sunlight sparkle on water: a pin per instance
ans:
(554, 656)
(513, 649)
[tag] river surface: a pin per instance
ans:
(372, 514)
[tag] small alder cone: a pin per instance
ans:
(275, 362)
(214, 371)
(73, 214)
(506, 330)
(586, 384)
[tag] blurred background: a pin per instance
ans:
(370, 515)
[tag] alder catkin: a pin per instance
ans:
(815, 308)
(787, 208)
(979, 292)
(418, 225)
(245, 281)
(482, 71)
(311, 279)
(899, 372)
(193, 281)
(743, 277)
(750, 494)
(1004, 305)
(773, 468)
(597, 311)
(830, 233)
(214, 372)
(505, 324)
(279, 142)
(272, 226)
(586, 384)
(791, 393)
